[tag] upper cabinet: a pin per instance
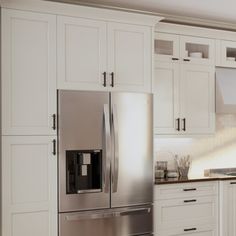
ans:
(81, 54)
(166, 47)
(172, 47)
(98, 55)
(226, 53)
(28, 73)
(183, 85)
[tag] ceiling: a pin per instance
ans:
(216, 10)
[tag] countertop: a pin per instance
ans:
(214, 177)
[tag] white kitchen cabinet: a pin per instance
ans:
(28, 73)
(129, 57)
(201, 230)
(81, 53)
(29, 186)
(166, 47)
(228, 208)
(102, 55)
(197, 96)
(226, 53)
(186, 209)
(183, 98)
(189, 45)
(174, 47)
(166, 98)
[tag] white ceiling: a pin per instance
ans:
(219, 10)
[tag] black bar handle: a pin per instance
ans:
(192, 200)
(112, 79)
(54, 147)
(178, 124)
(104, 79)
(184, 124)
(232, 182)
(54, 121)
(190, 229)
(185, 59)
(175, 59)
(189, 189)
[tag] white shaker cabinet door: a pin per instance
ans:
(228, 208)
(81, 54)
(29, 186)
(166, 98)
(197, 106)
(129, 57)
(28, 73)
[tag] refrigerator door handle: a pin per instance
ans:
(89, 216)
(106, 162)
(136, 211)
(115, 162)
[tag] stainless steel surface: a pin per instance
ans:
(89, 191)
(106, 167)
(81, 126)
(111, 222)
(115, 162)
(135, 138)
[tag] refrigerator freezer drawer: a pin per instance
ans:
(112, 222)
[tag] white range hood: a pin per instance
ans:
(225, 91)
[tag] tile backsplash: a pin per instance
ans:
(213, 151)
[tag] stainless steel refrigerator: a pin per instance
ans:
(105, 163)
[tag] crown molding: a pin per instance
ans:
(168, 18)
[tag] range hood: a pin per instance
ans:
(225, 91)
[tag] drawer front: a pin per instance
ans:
(202, 230)
(183, 190)
(185, 212)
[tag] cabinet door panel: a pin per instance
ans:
(28, 73)
(166, 47)
(197, 99)
(166, 97)
(81, 53)
(189, 45)
(228, 208)
(29, 183)
(129, 56)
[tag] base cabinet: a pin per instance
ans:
(29, 183)
(186, 209)
(228, 208)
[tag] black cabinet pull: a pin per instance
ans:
(112, 79)
(178, 124)
(184, 124)
(186, 59)
(190, 229)
(189, 189)
(175, 59)
(104, 79)
(54, 147)
(192, 200)
(232, 182)
(54, 121)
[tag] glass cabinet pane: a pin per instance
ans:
(163, 47)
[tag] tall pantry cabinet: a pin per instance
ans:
(29, 166)
(48, 46)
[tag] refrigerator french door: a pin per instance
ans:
(105, 161)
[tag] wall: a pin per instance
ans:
(215, 151)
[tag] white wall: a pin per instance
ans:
(216, 151)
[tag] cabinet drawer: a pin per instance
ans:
(193, 230)
(185, 212)
(173, 191)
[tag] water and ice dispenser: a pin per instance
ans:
(84, 171)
